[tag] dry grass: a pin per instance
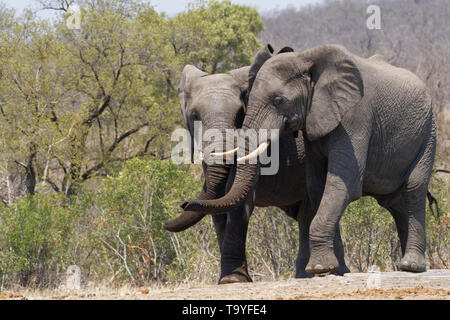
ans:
(393, 285)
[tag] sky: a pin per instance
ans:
(173, 7)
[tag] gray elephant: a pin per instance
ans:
(219, 102)
(368, 129)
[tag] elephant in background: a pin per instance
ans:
(219, 102)
(368, 129)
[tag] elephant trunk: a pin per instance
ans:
(247, 174)
(216, 175)
(214, 187)
(245, 180)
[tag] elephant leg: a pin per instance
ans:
(410, 210)
(233, 257)
(409, 216)
(343, 183)
(340, 254)
(414, 255)
(401, 223)
(323, 226)
(220, 222)
(304, 217)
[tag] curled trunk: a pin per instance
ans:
(216, 179)
(188, 218)
(245, 180)
(247, 174)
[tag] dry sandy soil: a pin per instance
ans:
(433, 284)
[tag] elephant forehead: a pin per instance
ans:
(266, 80)
(281, 67)
(216, 85)
(215, 98)
(215, 81)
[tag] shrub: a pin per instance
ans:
(272, 244)
(35, 235)
(115, 234)
(370, 236)
(130, 210)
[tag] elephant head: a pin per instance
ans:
(218, 101)
(309, 91)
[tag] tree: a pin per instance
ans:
(76, 104)
(217, 35)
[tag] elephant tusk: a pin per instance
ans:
(262, 147)
(226, 153)
(201, 156)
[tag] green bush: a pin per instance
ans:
(370, 236)
(35, 234)
(272, 244)
(130, 210)
(115, 234)
(437, 226)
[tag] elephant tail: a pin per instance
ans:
(432, 200)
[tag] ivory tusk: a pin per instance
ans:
(262, 147)
(222, 154)
(201, 156)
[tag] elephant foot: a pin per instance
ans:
(322, 263)
(340, 271)
(240, 274)
(413, 262)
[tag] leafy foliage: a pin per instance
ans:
(131, 210)
(115, 234)
(221, 36)
(84, 101)
(35, 237)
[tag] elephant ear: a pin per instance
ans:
(261, 56)
(338, 87)
(190, 73)
(285, 49)
(241, 77)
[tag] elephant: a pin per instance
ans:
(219, 102)
(368, 129)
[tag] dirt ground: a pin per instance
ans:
(433, 284)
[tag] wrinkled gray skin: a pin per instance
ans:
(368, 129)
(218, 101)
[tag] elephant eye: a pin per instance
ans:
(277, 101)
